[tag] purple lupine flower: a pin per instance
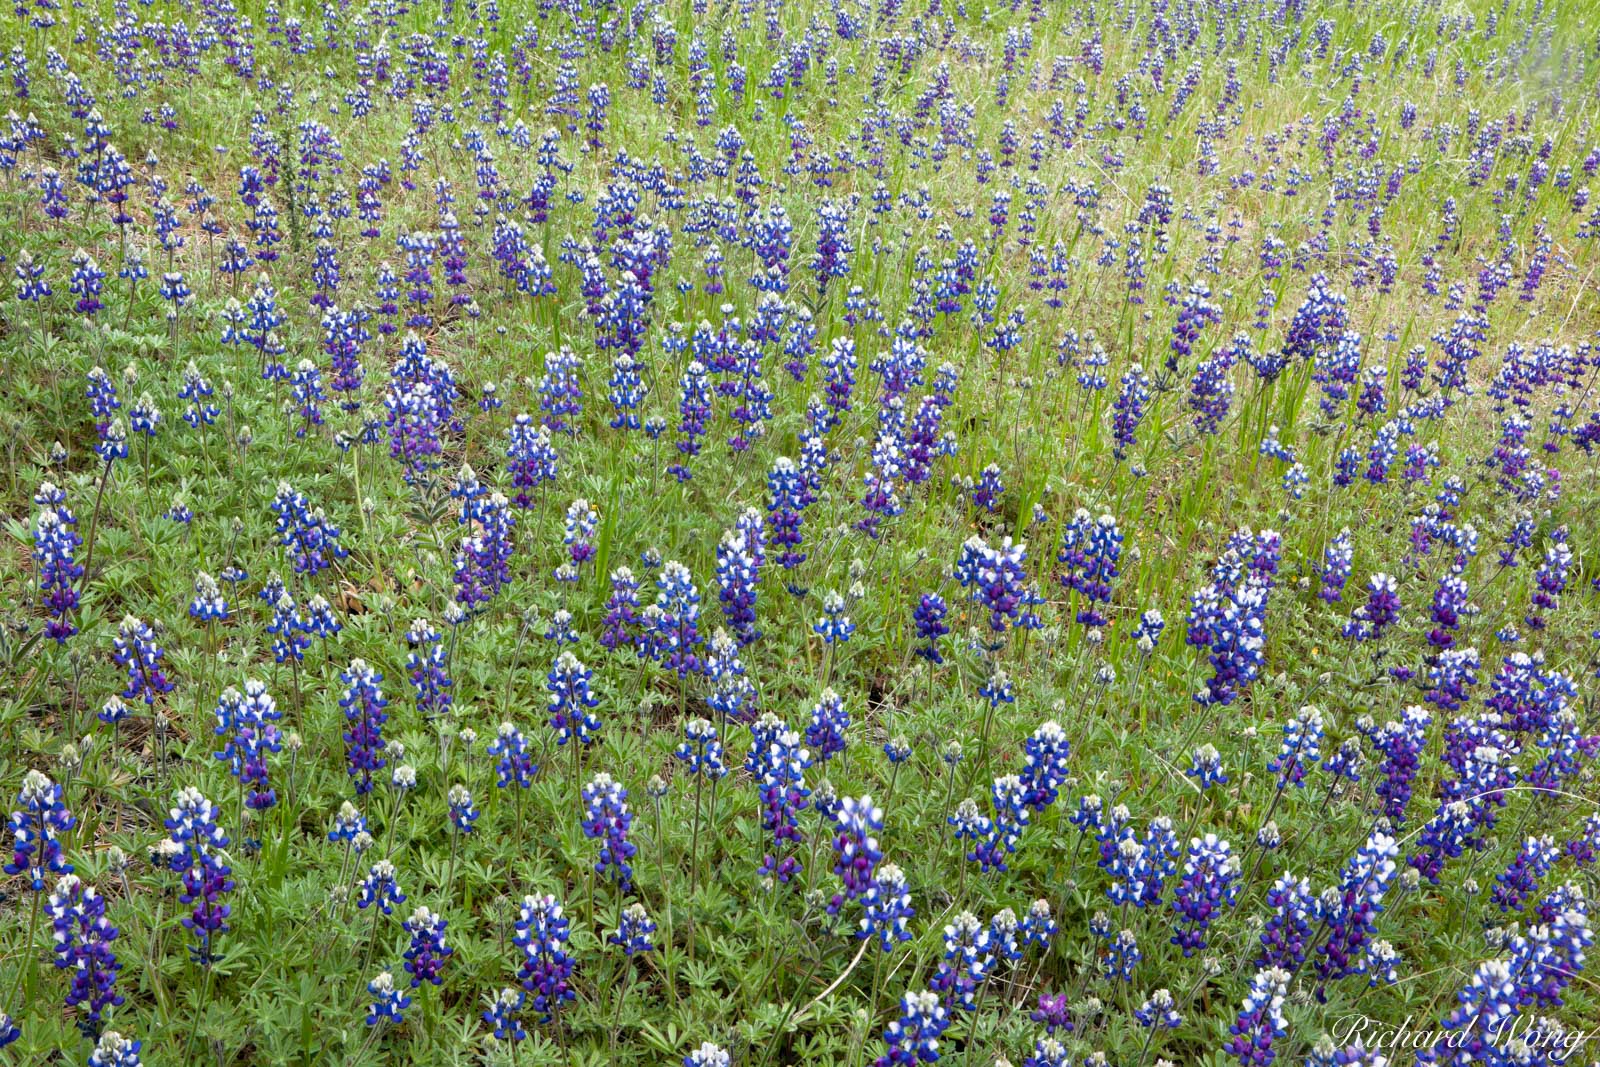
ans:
(84, 938)
(428, 664)
(914, 1036)
(312, 541)
(197, 844)
(248, 722)
(1350, 911)
(672, 623)
(607, 819)
(1260, 1021)
(530, 458)
(136, 652)
(546, 969)
(55, 543)
(1091, 548)
(738, 575)
(622, 619)
(483, 559)
(778, 763)
(856, 851)
(363, 703)
(514, 759)
(829, 723)
(570, 700)
(928, 618)
(886, 908)
(633, 931)
(997, 579)
(1521, 878)
(1550, 579)
(786, 505)
(1451, 675)
(1401, 743)
(37, 826)
(694, 410)
(428, 952)
(1372, 620)
(1288, 933)
(1053, 1013)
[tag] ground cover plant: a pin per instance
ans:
(735, 533)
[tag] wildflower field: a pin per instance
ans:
(750, 532)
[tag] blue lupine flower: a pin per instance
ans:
(633, 931)
(136, 651)
(463, 813)
(701, 751)
(114, 1050)
(1350, 911)
(1045, 755)
(928, 617)
(347, 823)
(428, 952)
(672, 623)
(249, 723)
(1209, 883)
(1159, 1011)
(1521, 878)
(380, 887)
(829, 723)
(913, 1037)
(607, 819)
(834, 625)
(312, 541)
(514, 759)
(1090, 549)
(388, 1002)
(708, 1055)
(1260, 1021)
(1301, 748)
(531, 459)
(503, 1014)
(570, 701)
(363, 705)
(1009, 796)
(1205, 767)
(83, 937)
(198, 843)
(546, 969)
(430, 676)
(1038, 928)
(886, 908)
(55, 543)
